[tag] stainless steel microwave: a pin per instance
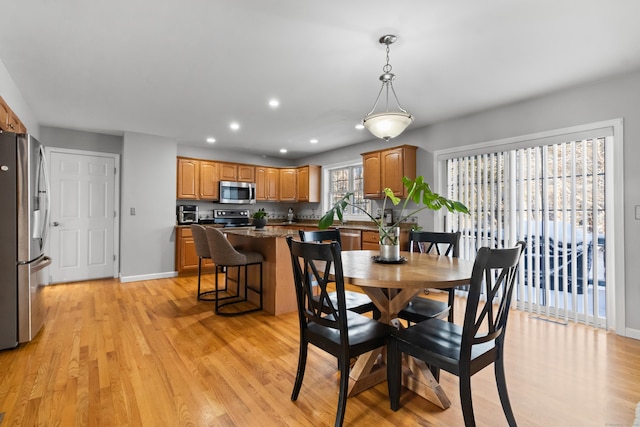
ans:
(237, 192)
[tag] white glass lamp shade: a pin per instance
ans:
(387, 125)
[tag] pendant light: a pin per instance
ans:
(387, 124)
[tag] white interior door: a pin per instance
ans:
(82, 216)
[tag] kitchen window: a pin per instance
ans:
(344, 179)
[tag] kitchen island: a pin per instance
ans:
(279, 295)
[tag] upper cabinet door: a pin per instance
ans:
(261, 183)
(392, 170)
(188, 179)
(228, 171)
(386, 168)
(372, 175)
(309, 183)
(273, 184)
(246, 173)
(288, 184)
(237, 172)
(209, 180)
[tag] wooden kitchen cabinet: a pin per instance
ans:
(197, 179)
(386, 168)
(237, 172)
(209, 180)
(288, 184)
(188, 185)
(186, 256)
(371, 240)
(372, 175)
(9, 121)
(351, 240)
(267, 183)
(309, 183)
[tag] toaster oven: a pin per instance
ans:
(187, 214)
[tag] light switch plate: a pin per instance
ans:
(638, 212)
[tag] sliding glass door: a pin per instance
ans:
(553, 197)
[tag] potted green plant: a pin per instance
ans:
(260, 218)
(418, 191)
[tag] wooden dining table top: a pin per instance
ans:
(419, 271)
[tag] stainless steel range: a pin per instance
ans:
(232, 217)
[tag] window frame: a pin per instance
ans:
(354, 215)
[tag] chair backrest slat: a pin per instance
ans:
(494, 274)
(331, 235)
(435, 239)
(312, 265)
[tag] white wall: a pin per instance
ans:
(80, 140)
(147, 241)
(595, 102)
(12, 96)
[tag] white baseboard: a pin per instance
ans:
(632, 333)
(168, 274)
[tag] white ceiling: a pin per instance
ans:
(186, 69)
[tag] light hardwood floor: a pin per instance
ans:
(148, 354)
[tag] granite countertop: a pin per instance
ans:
(263, 232)
(286, 228)
(354, 225)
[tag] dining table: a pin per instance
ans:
(391, 285)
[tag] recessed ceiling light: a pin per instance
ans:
(359, 126)
(273, 103)
(211, 140)
(234, 125)
(283, 150)
(313, 141)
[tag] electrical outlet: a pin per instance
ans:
(638, 212)
(132, 211)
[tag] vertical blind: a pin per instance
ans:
(552, 197)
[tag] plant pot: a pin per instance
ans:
(389, 243)
(259, 222)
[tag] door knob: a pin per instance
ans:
(55, 223)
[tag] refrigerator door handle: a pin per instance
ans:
(46, 193)
(44, 262)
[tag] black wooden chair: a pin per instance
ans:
(420, 308)
(356, 301)
(465, 350)
(225, 257)
(330, 327)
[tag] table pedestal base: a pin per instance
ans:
(417, 377)
(371, 369)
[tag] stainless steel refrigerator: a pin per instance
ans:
(24, 223)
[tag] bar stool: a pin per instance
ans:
(224, 255)
(202, 250)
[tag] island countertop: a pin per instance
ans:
(262, 232)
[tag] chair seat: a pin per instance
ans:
(364, 334)
(420, 309)
(252, 257)
(355, 301)
(441, 340)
